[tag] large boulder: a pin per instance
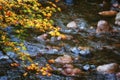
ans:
(108, 68)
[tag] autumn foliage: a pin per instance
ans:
(24, 15)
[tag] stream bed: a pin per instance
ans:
(99, 49)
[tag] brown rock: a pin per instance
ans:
(42, 37)
(68, 66)
(108, 13)
(118, 74)
(64, 59)
(103, 27)
(71, 71)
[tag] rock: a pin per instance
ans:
(117, 19)
(108, 68)
(86, 67)
(103, 27)
(4, 57)
(64, 37)
(52, 51)
(85, 53)
(108, 13)
(110, 77)
(12, 54)
(75, 50)
(82, 24)
(118, 74)
(69, 2)
(93, 67)
(68, 66)
(9, 29)
(14, 39)
(72, 24)
(3, 78)
(42, 37)
(69, 70)
(64, 59)
(79, 23)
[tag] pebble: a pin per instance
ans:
(86, 67)
(75, 50)
(85, 53)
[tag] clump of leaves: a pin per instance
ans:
(24, 15)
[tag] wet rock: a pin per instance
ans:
(72, 24)
(42, 38)
(108, 68)
(69, 70)
(69, 2)
(92, 67)
(52, 51)
(64, 37)
(67, 31)
(4, 57)
(108, 13)
(103, 27)
(75, 50)
(110, 77)
(9, 29)
(32, 48)
(118, 74)
(68, 66)
(117, 19)
(12, 54)
(85, 53)
(14, 39)
(3, 78)
(80, 24)
(53, 39)
(86, 67)
(48, 51)
(115, 5)
(64, 59)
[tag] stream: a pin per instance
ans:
(98, 49)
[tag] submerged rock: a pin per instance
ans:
(110, 77)
(64, 59)
(3, 78)
(108, 13)
(108, 68)
(69, 70)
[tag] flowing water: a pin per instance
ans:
(103, 49)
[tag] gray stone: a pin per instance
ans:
(86, 67)
(117, 19)
(3, 78)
